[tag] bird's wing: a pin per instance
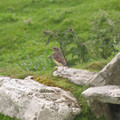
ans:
(59, 58)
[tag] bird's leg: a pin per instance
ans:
(55, 68)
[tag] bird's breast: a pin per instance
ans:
(59, 64)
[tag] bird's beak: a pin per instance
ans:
(52, 48)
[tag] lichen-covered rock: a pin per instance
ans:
(77, 76)
(29, 100)
(109, 75)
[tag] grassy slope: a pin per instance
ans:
(18, 38)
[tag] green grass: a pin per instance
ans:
(22, 41)
(19, 39)
(3, 117)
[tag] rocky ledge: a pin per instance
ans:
(104, 94)
(77, 76)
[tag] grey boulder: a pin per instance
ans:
(104, 101)
(29, 100)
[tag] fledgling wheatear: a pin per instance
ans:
(58, 57)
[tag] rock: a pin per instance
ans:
(104, 101)
(29, 100)
(77, 76)
(109, 75)
(104, 94)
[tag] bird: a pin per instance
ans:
(58, 57)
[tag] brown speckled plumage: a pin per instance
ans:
(58, 57)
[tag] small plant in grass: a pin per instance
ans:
(80, 50)
(117, 49)
(105, 33)
(36, 64)
(73, 47)
(8, 18)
